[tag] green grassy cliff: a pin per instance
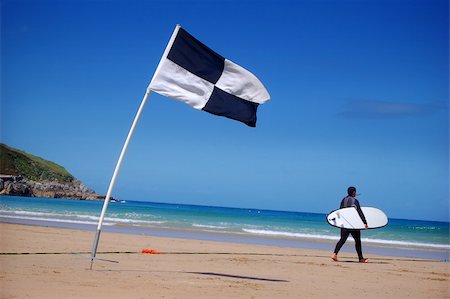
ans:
(19, 163)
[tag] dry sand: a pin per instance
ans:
(198, 269)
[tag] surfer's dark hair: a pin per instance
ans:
(350, 190)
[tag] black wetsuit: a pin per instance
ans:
(346, 202)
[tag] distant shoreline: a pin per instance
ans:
(404, 238)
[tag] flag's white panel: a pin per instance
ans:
(166, 51)
(175, 82)
(237, 81)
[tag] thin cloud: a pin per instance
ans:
(389, 110)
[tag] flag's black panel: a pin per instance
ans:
(225, 104)
(195, 57)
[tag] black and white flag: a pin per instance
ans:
(191, 72)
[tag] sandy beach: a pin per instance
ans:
(57, 261)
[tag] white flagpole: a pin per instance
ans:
(114, 177)
(125, 146)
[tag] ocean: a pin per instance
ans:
(401, 237)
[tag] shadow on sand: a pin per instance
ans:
(238, 276)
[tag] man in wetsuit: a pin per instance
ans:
(351, 201)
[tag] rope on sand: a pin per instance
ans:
(51, 253)
(152, 251)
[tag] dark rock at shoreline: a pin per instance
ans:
(19, 186)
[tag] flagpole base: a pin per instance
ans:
(94, 247)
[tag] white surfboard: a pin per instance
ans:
(349, 218)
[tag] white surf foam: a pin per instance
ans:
(367, 240)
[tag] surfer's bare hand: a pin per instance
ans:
(366, 226)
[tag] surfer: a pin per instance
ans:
(351, 201)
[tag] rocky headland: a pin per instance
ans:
(20, 186)
(23, 174)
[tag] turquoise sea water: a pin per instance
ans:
(412, 238)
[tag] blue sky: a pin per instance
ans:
(359, 96)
